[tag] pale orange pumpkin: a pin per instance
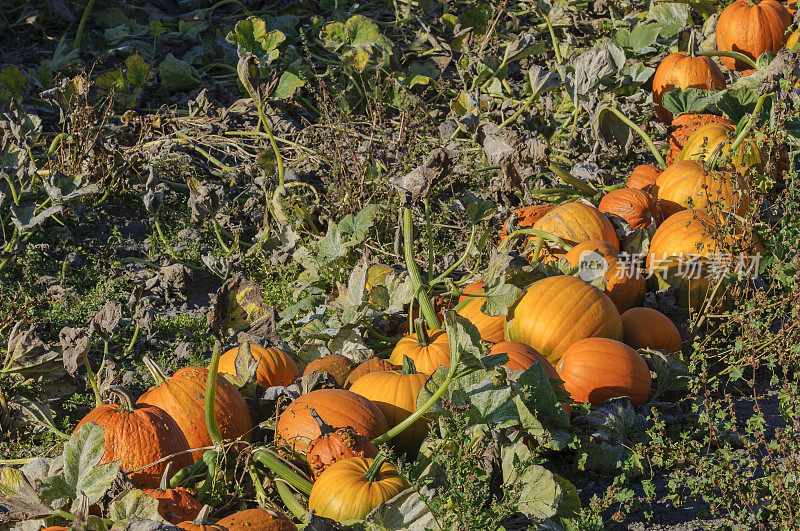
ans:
(752, 28)
(574, 223)
(688, 184)
(649, 328)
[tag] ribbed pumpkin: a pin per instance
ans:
(275, 367)
(297, 428)
(200, 522)
(685, 126)
(521, 356)
(351, 488)
(365, 367)
(688, 184)
(138, 436)
(526, 217)
(336, 365)
(395, 393)
(575, 223)
(625, 285)
(261, 519)
(752, 28)
(183, 398)
(649, 328)
(596, 369)
(636, 207)
(489, 326)
(557, 311)
(643, 176)
(681, 70)
(707, 138)
(428, 349)
(335, 444)
(471, 289)
(174, 505)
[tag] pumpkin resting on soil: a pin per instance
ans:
(489, 326)
(526, 217)
(175, 505)
(649, 328)
(643, 176)
(521, 357)
(637, 207)
(365, 367)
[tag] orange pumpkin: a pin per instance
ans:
(261, 519)
(200, 522)
(637, 207)
(183, 398)
(175, 505)
(575, 223)
(489, 326)
(365, 367)
(138, 436)
(649, 328)
(335, 444)
(557, 311)
(688, 184)
(275, 367)
(684, 127)
(336, 365)
(643, 176)
(711, 138)
(684, 70)
(625, 285)
(752, 28)
(521, 357)
(428, 349)
(596, 369)
(472, 288)
(791, 6)
(297, 428)
(526, 217)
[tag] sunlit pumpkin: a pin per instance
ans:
(428, 349)
(596, 369)
(471, 289)
(711, 138)
(637, 207)
(489, 326)
(684, 126)
(752, 28)
(574, 223)
(335, 364)
(643, 176)
(649, 328)
(261, 519)
(335, 444)
(521, 357)
(275, 367)
(688, 184)
(365, 367)
(175, 505)
(525, 217)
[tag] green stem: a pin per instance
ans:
(98, 400)
(425, 306)
(155, 371)
(745, 130)
(537, 251)
(470, 245)
(585, 188)
(211, 393)
(522, 109)
(374, 470)
(217, 232)
(553, 37)
(129, 348)
(733, 55)
(13, 188)
(278, 467)
(76, 44)
(535, 232)
(3, 403)
(639, 131)
(428, 230)
(423, 339)
(261, 495)
(289, 500)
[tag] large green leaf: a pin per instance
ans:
(357, 41)
(134, 505)
(251, 36)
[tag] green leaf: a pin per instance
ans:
(12, 82)
(736, 103)
(332, 246)
(420, 73)
(690, 100)
(538, 493)
(356, 227)
(26, 218)
(134, 505)
(292, 79)
(671, 373)
(177, 75)
(251, 36)
(537, 392)
(477, 17)
(138, 71)
(671, 16)
(640, 40)
(491, 404)
(357, 41)
(82, 471)
(407, 510)
(500, 297)
(465, 343)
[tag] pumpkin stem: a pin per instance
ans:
(426, 308)
(324, 428)
(125, 399)
(373, 472)
(691, 50)
(202, 516)
(408, 365)
(164, 485)
(211, 393)
(423, 339)
(155, 371)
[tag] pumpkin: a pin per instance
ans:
(596, 369)
(574, 223)
(643, 176)
(752, 28)
(335, 444)
(649, 328)
(473, 288)
(684, 70)
(395, 393)
(521, 357)
(200, 522)
(297, 428)
(525, 217)
(624, 283)
(365, 367)
(684, 126)
(275, 367)
(336, 365)
(183, 398)
(489, 326)
(712, 137)
(555, 312)
(174, 505)
(261, 519)
(138, 436)
(428, 349)
(637, 207)
(688, 184)
(351, 488)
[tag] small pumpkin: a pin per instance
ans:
(710, 138)
(556, 312)
(200, 522)
(335, 444)
(688, 184)
(521, 357)
(489, 326)
(275, 367)
(175, 505)
(428, 349)
(752, 28)
(338, 366)
(637, 207)
(596, 369)
(525, 217)
(137, 436)
(684, 127)
(574, 223)
(261, 519)
(395, 393)
(296, 428)
(351, 488)
(649, 328)
(684, 70)
(643, 176)
(183, 398)
(373, 364)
